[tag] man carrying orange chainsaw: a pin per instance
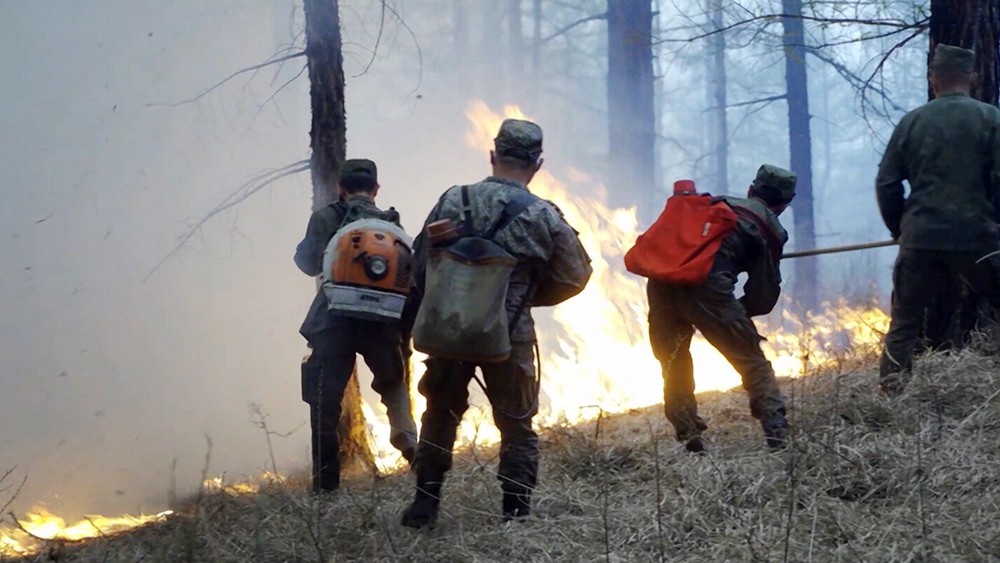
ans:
(692, 256)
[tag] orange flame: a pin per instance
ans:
(600, 359)
(39, 523)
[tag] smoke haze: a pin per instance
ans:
(107, 379)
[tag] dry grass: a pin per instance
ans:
(866, 479)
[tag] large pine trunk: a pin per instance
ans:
(631, 113)
(800, 152)
(972, 25)
(327, 138)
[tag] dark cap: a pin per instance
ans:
(519, 139)
(359, 167)
(775, 184)
(953, 59)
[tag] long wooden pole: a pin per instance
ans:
(835, 249)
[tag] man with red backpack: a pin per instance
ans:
(753, 245)
(340, 329)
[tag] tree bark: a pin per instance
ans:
(718, 128)
(515, 50)
(972, 25)
(327, 139)
(536, 51)
(631, 111)
(800, 151)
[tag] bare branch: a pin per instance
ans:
(853, 79)
(220, 83)
(878, 68)
(766, 100)
(573, 25)
(238, 196)
(17, 491)
(378, 41)
(775, 18)
(416, 43)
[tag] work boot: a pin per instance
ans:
(422, 513)
(776, 432)
(516, 504)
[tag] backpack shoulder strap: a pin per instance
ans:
(521, 202)
(771, 238)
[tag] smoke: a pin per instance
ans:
(110, 384)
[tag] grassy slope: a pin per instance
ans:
(867, 479)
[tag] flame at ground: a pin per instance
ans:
(598, 358)
(40, 524)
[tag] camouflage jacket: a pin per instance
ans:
(549, 254)
(323, 224)
(949, 152)
(749, 250)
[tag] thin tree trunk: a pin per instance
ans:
(800, 149)
(327, 138)
(718, 129)
(536, 51)
(515, 50)
(460, 23)
(631, 110)
(493, 78)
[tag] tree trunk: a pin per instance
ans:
(631, 113)
(492, 71)
(460, 23)
(718, 128)
(536, 52)
(327, 138)
(515, 51)
(972, 25)
(800, 152)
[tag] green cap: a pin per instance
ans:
(519, 139)
(953, 59)
(775, 184)
(359, 167)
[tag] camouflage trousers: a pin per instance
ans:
(918, 278)
(511, 387)
(674, 314)
(325, 376)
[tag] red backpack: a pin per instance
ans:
(680, 247)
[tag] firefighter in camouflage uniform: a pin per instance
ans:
(675, 311)
(948, 150)
(552, 266)
(336, 340)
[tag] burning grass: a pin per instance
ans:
(866, 478)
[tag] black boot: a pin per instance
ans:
(696, 445)
(516, 504)
(776, 432)
(422, 513)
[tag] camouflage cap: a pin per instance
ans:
(519, 139)
(954, 59)
(775, 184)
(359, 167)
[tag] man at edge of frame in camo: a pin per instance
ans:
(948, 150)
